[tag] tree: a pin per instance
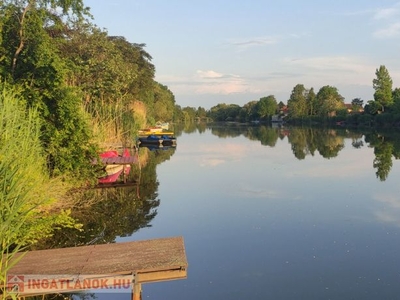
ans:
(382, 85)
(249, 111)
(22, 15)
(328, 101)
(311, 98)
(297, 102)
(32, 61)
(266, 106)
(357, 103)
(396, 100)
(372, 107)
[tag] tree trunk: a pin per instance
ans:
(21, 38)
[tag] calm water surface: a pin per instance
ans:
(259, 223)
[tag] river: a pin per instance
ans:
(279, 213)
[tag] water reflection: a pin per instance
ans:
(108, 213)
(328, 143)
(275, 213)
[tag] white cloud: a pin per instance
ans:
(334, 70)
(209, 74)
(388, 18)
(393, 30)
(386, 13)
(331, 63)
(255, 41)
(251, 42)
(212, 82)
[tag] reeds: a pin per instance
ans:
(23, 178)
(115, 122)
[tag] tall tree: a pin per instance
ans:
(22, 15)
(382, 85)
(396, 100)
(297, 102)
(311, 98)
(32, 32)
(328, 101)
(267, 106)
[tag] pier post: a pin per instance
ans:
(137, 291)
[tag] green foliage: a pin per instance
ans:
(396, 100)
(225, 112)
(328, 101)
(311, 102)
(382, 85)
(164, 103)
(68, 137)
(297, 102)
(24, 190)
(249, 112)
(266, 107)
(357, 103)
(372, 107)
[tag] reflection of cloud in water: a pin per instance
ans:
(255, 192)
(216, 154)
(211, 162)
(390, 213)
(337, 168)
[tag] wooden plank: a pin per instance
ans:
(161, 276)
(120, 160)
(120, 258)
(109, 264)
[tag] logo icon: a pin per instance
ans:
(15, 283)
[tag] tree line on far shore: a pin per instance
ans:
(307, 106)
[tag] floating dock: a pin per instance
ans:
(112, 265)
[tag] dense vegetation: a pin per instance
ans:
(325, 106)
(67, 90)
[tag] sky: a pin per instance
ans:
(218, 51)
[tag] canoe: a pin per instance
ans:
(114, 171)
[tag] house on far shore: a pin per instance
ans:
(282, 113)
(350, 109)
(276, 119)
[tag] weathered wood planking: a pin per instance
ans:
(120, 258)
(119, 160)
(142, 261)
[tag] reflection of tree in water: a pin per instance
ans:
(267, 135)
(305, 141)
(384, 148)
(302, 141)
(107, 213)
(383, 160)
(224, 131)
(328, 143)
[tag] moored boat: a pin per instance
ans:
(149, 131)
(157, 140)
(114, 171)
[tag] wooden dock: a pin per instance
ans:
(135, 262)
(120, 160)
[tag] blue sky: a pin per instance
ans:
(218, 51)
